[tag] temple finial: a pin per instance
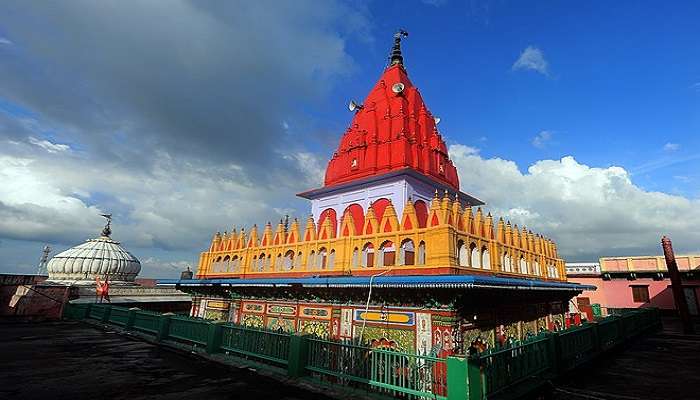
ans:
(396, 57)
(107, 230)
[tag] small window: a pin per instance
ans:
(640, 294)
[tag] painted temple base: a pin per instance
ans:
(438, 329)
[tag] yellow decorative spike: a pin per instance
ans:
(293, 234)
(253, 241)
(409, 213)
(488, 227)
(390, 217)
(280, 235)
(347, 224)
(310, 231)
(371, 223)
(242, 242)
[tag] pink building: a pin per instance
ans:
(632, 282)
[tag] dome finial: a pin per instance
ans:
(396, 57)
(107, 230)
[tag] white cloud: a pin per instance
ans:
(541, 139)
(32, 205)
(532, 59)
(590, 212)
(174, 205)
(153, 266)
(48, 146)
(434, 3)
(671, 146)
(5, 41)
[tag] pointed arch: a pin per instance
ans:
(278, 262)
(387, 254)
(358, 216)
(235, 264)
(288, 261)
(485, 258)
(331, 259)
(462, 254)
(379, 206)
(407, 253)
(330, 215)
(311, 261)
(421, 213)
(322, 259)
(523, 265)
(474, 257)
(368, 255)
(407, 225)
(435, 220)
(421, 253)
(293, 236)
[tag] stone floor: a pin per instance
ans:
(70, 360)
(664, 366)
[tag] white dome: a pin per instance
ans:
(101, 257)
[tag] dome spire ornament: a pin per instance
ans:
(107, 230)
(396, 57)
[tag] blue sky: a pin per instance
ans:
(623, 80)
(193, 117)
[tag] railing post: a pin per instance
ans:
(298, 355)
(132, 317)
(163, 326)
(475, 384)
(555, 352)
(214, 337)
(105, 315)
(457, 387)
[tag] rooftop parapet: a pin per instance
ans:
(448, 239)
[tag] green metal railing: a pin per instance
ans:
(189, 330)
(500, 372)
(97, 311)
(505, 367)
(145, 321)
(390, 372)
(577, 345)
(609, 333)
(342, 362)
(409, 375)
(119, 316)
(262, 344)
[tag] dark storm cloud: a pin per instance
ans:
(210, 81)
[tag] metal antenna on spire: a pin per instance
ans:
(396, 57)
(43, 260)
(107, 230)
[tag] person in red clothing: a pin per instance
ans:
(102, 289)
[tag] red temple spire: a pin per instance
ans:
(392, 130)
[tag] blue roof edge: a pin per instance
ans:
(469, 281)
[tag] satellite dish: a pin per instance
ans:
(398, 87)
(353, 106)
(437, 120)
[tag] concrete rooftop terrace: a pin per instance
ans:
(73, 360)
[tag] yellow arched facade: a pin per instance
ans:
(454, 241)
